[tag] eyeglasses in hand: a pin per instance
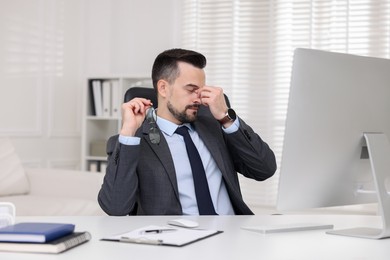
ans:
(154, 134)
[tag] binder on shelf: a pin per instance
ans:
(34, 232)
(91, 99)
(106, 92)
(97, 97)
(53, 247)
(115, 100)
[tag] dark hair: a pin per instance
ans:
(165, 65)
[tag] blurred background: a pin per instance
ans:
(49, 48)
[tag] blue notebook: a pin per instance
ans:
(35, 232)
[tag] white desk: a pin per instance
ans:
(235, 243)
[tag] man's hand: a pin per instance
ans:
(133, 114)
(213, 98)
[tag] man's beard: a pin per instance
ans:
(182, 116)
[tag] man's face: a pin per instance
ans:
(183, 100)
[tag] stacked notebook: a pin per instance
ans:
(41, 237)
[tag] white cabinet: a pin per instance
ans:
(103, 97)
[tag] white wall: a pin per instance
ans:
(48, 47)
(124, 36)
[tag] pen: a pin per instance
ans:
(158, 231)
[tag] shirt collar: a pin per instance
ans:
(169, 128)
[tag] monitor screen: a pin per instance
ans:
(334, 99)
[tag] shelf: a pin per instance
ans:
(96, 158)
(101, 118)
(104, 92)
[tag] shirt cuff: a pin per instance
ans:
(233, 127)
(129, 140)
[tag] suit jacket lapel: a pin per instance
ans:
(215, 151)
(164, 154)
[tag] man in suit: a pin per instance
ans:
(149, 171)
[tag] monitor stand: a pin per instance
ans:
(379, 153)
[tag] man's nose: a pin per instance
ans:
(198, 95)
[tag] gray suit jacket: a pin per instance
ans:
(141, 179)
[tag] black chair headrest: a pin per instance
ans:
(143, 92)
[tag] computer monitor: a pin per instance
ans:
(337, 130)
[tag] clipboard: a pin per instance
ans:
(162, 236)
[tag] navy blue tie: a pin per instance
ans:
(202, 192)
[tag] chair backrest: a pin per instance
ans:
(149, 93)
(143, 92)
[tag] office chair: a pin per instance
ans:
(143, 92)
(150, 93)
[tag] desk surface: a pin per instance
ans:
(234, 243)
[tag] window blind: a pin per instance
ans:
(33, 38)
(249, 46)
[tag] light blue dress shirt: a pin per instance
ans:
(185, 181)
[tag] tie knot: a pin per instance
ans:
(182, 130)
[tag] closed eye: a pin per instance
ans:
(192, 88)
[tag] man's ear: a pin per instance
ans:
(162, 88)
